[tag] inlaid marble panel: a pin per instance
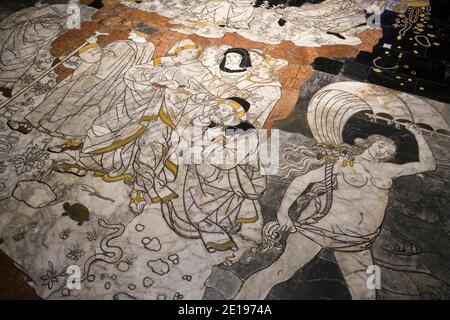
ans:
(226, 149)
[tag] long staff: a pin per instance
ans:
(23, 90)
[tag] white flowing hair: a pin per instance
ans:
(298, 160)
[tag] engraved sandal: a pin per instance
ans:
(24, 127)
(74, 169)
(68, 145)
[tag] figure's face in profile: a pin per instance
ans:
(256, 58)
(233, 59)
(188, 54)
(209, 57)
(133, 36)
(382, 150)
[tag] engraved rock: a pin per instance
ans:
(34, 193)
(123, 296)
(148, 282)
(152, 244)
(159, 267)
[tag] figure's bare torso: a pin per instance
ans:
(359, 202)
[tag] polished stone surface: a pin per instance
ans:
(134, 161)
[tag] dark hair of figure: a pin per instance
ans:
(244, 103)
(245, 62)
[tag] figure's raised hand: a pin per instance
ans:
(415, 130)
(91, 40)
(285, 222)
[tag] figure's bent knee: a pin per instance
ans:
(281, 273)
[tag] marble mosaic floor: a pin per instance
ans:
(226, 149)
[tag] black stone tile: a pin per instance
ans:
(441, 28)
(447, 74)
(319, 279)
(429, 69)
(356, 71)
(433, 70)
(422, 54)
(440, 9)
(407, 43)
(410, 40)
(327, 65)
(389, 35)
(365, 58)
(393, 80)
(410, 45)
(440, 51)
(409, 65)
(284, 290)
(433, 90)
(380, 57)
(388, 18)
(271, 297)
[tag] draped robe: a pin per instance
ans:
(264, 97)
(230, 13)
(23, 34)
(221, 193)
(71, 108)
(137, 136)
(264, 94)
(119, 141)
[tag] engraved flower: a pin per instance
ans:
(75, 253)
(41, 88)
(28, 78)
(33, 158)
(63, 235)
(91, 235)
(51, 276)
(20, 234)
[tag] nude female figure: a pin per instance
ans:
(361, 186)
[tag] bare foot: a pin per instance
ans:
(137, 202)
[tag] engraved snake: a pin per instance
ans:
(110, 254)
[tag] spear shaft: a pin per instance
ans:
(23, 90)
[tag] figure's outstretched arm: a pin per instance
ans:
(426, 162)
(92, 52)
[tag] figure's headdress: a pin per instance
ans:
(240, 105)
